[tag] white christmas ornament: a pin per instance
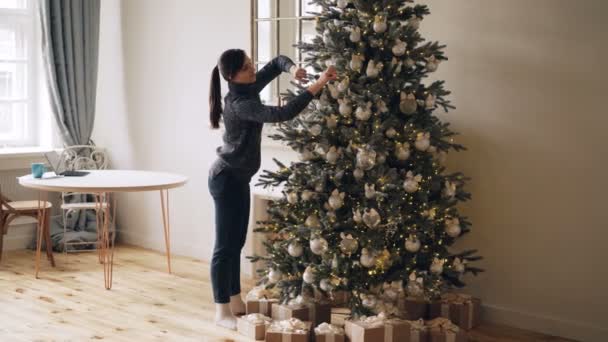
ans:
(326, 285)
(309, 275)
(312, 221)
(363, 113)
(402, 150)
(366, 158)
(458, 265)
(316, 129)
(411, 183)
(357, 216)
(408, 104)
(412, 244)
(373, 69)
(380, 24)
(292, 197)
(391, 132)
(437, 266)
(331, 121)
(355, 34)
(452, 227)
(415, 286)
(380, 158)
(307, 195)
(367, 259)
(306, 155)
(381, 106)
(295, 249)
(368, 301)
(432, 63)
(342, 4)
(399, 47)
(333, 90)
(336, 200)
(423, 141)
(429, 102)
(345, 107)
(343, 85)
(396, 65)
(332, 155)
(318, 245)
(358, 174)
(348, 245)
(414, 22)
(450, 190)
(371, 218)
(320, 150)
(356, 62)
(274, 276)
(370, 191)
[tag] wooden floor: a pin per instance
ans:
(69, 302)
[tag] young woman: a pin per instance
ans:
(239, 159)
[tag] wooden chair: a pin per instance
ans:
(10, 210)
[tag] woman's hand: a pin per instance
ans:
(329, 74)
(299, 74)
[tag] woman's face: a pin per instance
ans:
(246, 74)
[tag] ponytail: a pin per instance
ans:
(215, 99)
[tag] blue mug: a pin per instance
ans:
(37, 170)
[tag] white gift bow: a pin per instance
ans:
(292, 326)
(256, 318)
(329, 330)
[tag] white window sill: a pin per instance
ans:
(16, 158)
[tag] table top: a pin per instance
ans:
(105, 181)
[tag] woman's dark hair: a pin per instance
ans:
(230, 62)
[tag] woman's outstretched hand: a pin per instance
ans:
(299, 74)
(329, 74)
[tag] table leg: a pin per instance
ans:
(47, 236)
(107, 244)
(164, 198)
(41, 217)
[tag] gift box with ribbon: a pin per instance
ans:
(380, 329)
(326, 332)
(463, 310)
(413, 308)
(442, 330)
(253, 325)
(260, 300)
(313, 312)
(290, 330)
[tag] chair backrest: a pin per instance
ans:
(4, 203)
(84, 157)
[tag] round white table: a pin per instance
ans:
(102, 183)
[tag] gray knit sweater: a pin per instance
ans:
(244, 115)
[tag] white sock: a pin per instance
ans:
(237, 305)
(224, 316)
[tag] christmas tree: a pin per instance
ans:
(370, 208)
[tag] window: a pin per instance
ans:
(18, 74)
(277, 25)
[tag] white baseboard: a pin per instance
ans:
(556, 326)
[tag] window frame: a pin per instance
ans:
(26, 17)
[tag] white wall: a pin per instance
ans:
(526, 77)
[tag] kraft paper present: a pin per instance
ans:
(262, 306)
(442, 330)
(252, 326)
(360, 332)
(387, 330)
(340, 298)
(416, 332)
(291, 335)
(316, 313)
(463, 310)
(413, 308)
(329, 333)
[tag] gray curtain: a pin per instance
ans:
(70, 40)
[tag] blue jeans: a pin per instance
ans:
(231, 198)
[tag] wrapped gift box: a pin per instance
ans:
(253, 325)
(378, 328)
(316, 313)
(413, 308)
(463, 310)
(261, 306)
(292, 330)
(340, 298)
(329, 333)
(442, 330)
